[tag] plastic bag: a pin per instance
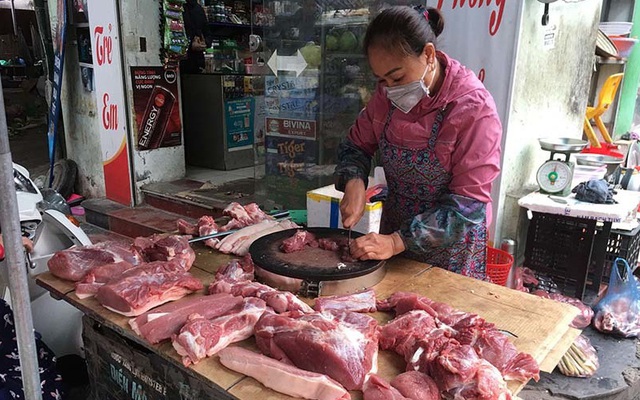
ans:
(581, 360)
(583, 319)
(619, 310)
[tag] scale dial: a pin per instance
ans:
(554, 176)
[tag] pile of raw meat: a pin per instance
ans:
(130, 280)
(250, 222)
(324, 352)
(467, 357)
(303, 239)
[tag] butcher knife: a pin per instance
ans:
(279, 216)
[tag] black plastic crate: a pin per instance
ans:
(559, 247)
(623, 244)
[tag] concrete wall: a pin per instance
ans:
(79, 114)
(140, 19)
(549, 99)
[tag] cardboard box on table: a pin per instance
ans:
(323, 210)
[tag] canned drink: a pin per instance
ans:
(509, 246)
(156, 118)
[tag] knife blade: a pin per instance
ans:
(349, 242)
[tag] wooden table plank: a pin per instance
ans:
(554, 356)
(541, 324)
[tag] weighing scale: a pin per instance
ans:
(556, 175)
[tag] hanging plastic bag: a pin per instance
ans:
(619, 310)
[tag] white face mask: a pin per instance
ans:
(405, 97)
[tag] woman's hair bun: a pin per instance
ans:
(436, 20)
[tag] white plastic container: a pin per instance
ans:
(584, 173)
(323, 210)
(616, 28)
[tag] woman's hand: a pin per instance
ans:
(353, 202)
(377, 247)
(28, 244)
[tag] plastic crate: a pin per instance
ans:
(560, 246)
(623, 244)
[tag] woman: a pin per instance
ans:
(11, 387)
(438, 133)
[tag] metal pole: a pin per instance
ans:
(13, 17)
(17, 270)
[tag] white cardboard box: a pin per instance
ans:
(323, 210)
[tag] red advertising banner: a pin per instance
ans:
(157, 109)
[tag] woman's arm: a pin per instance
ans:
(443, 225)
(356, 151)
(475, 163)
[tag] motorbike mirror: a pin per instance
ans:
(52, 200)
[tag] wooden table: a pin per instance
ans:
(541, 325)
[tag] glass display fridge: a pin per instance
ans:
(318, 81)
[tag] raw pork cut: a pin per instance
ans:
(402, 333)
(343, 346)
(237, 270)
(201, 337)
(415, 385)
(242, 248)
(236, 211)
(162, 247)
(328, 244)
(376, 388)
(186, 228)
(357, 302)
(459, 373)
(243, 216)
(586, 313)
(493, 346)
(162, 322)
(337, 245)
(298, 242)
(255, 213)
(466, 328)
(238, 242)
(226, 244)
(207, 226)
(74, 263)
(280, 301)
(281, 377)
(140, 289)
(98, 276)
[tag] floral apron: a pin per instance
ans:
(416, 180)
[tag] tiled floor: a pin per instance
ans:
(219, 177)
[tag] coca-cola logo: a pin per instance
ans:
(495, 19)
(159, 100)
